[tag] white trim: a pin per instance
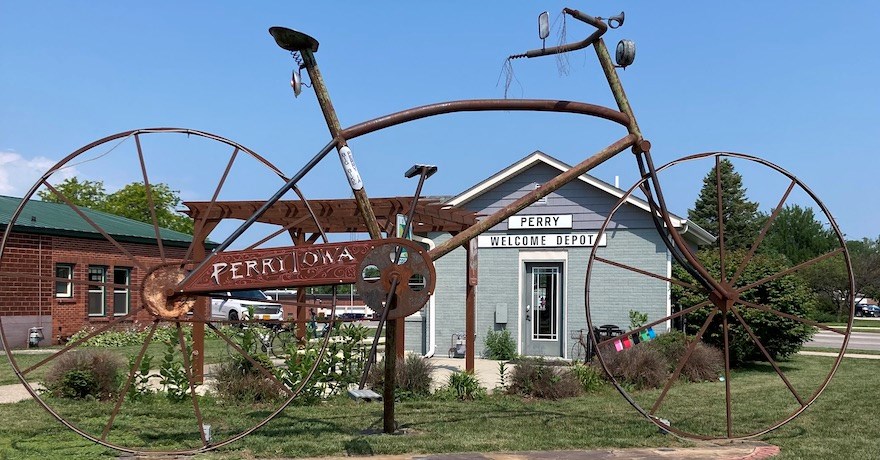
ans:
(432, 312)
(541, 256)
(668, 290)
(699, 234)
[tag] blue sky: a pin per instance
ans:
(792, 82)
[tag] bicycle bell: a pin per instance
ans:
(296, 82)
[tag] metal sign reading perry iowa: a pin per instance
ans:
(315, 265)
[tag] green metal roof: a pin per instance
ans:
(59, 219)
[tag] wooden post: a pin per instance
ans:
(202, 307)
(470, 314)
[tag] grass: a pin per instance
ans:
(871, 325)
(215, 349)
(841, 424)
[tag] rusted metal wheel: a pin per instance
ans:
(162, 404)
(745, 295)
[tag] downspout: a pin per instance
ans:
(432, 329)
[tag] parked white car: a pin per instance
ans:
(236, 305)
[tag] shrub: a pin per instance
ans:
(590, 377)
(463, 386)
(239, 380)
(85, 374)
(536, 378)
(640, 366)
(500, 345)
(705, 363)
(412, 373)
(788, 294)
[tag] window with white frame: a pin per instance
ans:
(97, 274)
(121, 295)
(64, 289)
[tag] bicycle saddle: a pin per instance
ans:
(292, 40)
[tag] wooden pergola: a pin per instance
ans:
(329, 216)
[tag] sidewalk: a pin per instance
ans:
(730, 451)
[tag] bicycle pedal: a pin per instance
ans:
(366, 394)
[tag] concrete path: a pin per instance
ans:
(729, 451)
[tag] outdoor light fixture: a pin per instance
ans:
(626, 53)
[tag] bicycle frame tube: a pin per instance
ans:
(345, 156)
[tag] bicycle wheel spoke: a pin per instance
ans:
(311, 212)
(200, 224)
(149, 192)
(661, 320)
(790, 316)
(92, 223)
(281, 230)
(647, 273)
(727, 399)
(681, 364)
(762, 234)
(791, 270)
(772, 362)
(81, 340)
(134, 368)
(187, 367)
(720, 202)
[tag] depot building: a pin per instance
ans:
(531, 268)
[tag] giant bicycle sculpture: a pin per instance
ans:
(395, 275)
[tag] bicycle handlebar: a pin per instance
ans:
(600, 26)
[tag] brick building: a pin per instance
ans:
(60, 273)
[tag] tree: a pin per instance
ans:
(742, 221)
(87, 194)
(865, 257)
(798, 235)
(130, 201)
(789, 294)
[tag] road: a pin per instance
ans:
(857, 340)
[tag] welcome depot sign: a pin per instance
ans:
(540, 240)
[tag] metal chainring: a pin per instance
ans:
(414, 273)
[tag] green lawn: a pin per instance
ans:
(841, 424)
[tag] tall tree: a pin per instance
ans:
(742, 221)
(798, 235)
(88, 194)
(130, 201)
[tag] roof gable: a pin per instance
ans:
(699, 235)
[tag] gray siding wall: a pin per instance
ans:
(613, 291)
(589, 206)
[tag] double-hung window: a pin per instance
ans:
(97, 298)
(121, 295)
(64, 280)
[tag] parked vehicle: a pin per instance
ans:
(236, 306)
(869, 311)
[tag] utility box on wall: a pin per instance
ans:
(501, 313)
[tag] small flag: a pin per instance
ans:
(618, 345)
(651, 333)
(627, 343)
(635, 339)
(644, 336)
